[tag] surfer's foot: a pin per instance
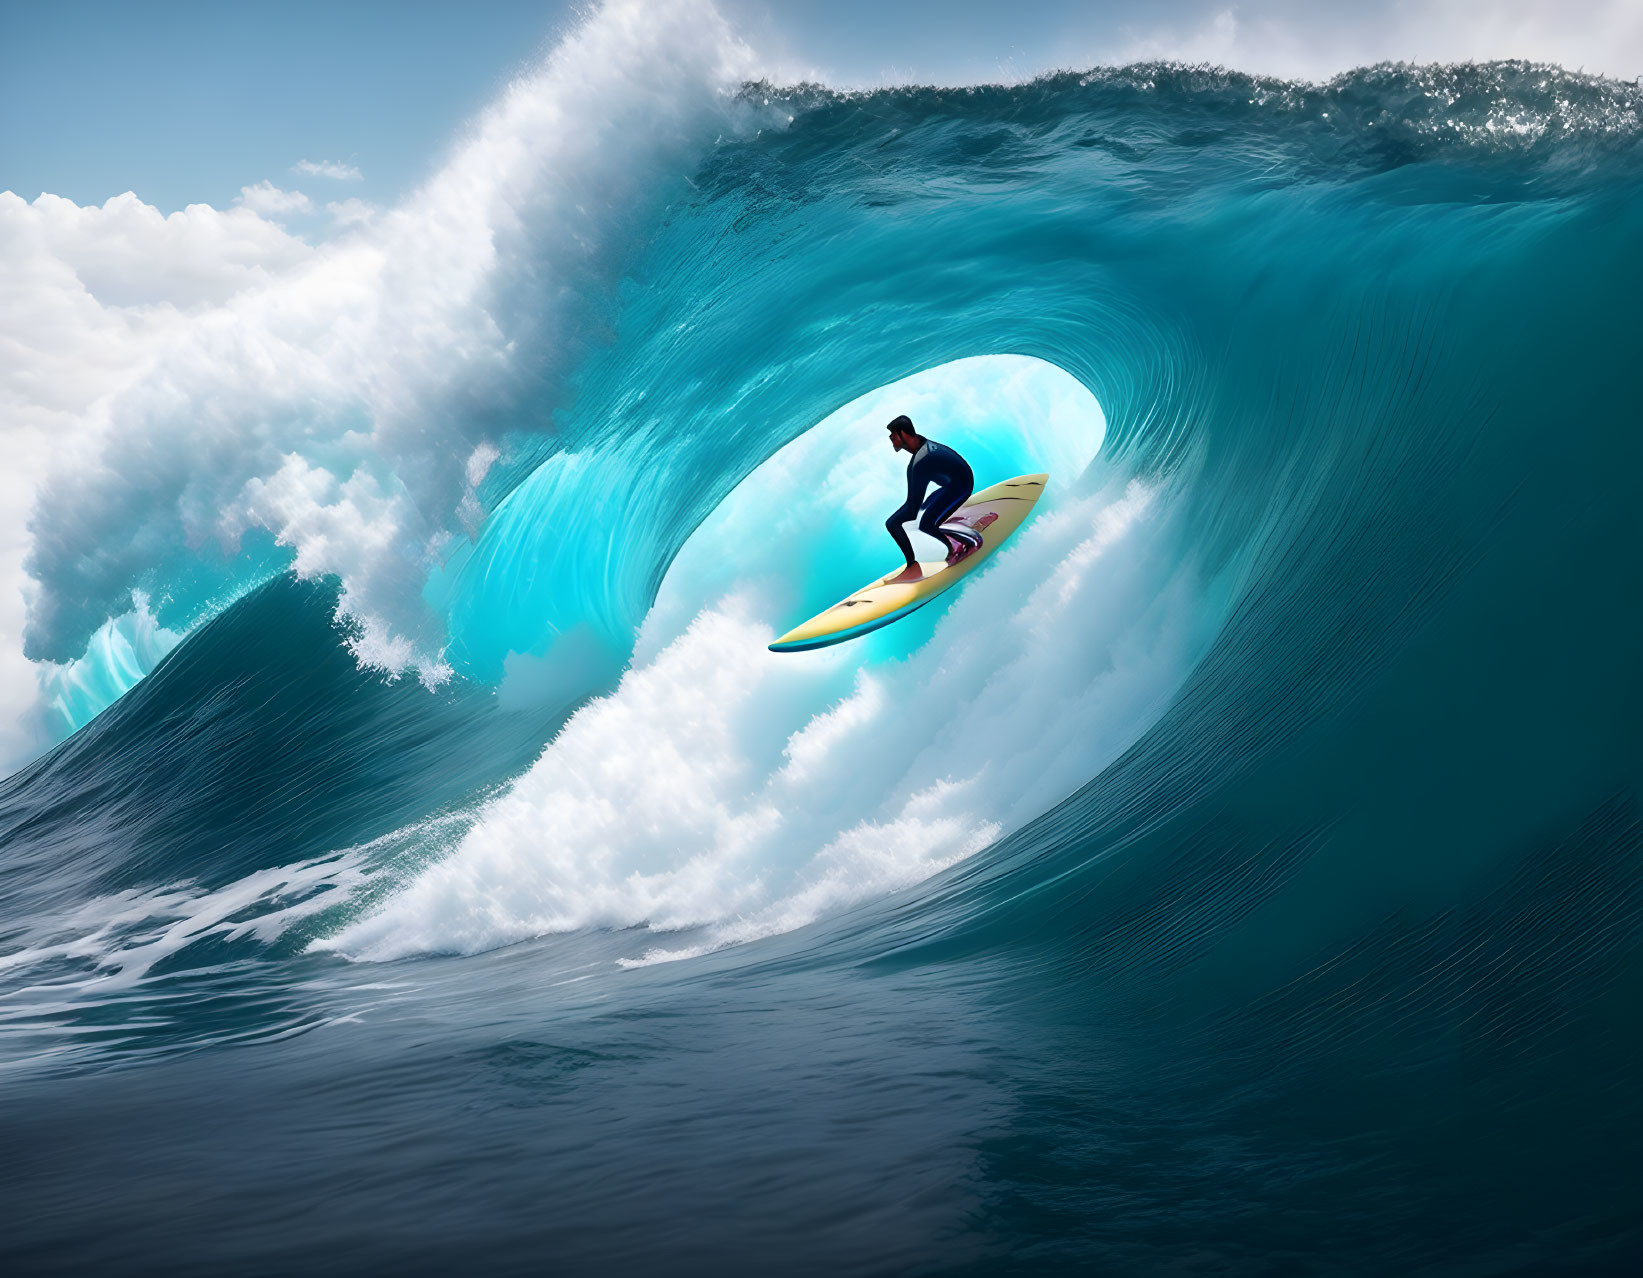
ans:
(960, 547)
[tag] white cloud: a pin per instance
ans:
(126, 254)
(351, 212)
(269, 200)
(333, 169)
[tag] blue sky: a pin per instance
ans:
(189, 100)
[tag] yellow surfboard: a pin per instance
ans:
(993, 513)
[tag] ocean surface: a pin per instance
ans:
(1243, 874)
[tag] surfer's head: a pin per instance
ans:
(902, 434)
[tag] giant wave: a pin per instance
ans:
(1276, 797)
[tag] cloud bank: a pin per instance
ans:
(270, 201)
(333, 169)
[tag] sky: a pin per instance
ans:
(185, 101)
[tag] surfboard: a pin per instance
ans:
(992, 514)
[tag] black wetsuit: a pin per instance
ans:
(935, 464)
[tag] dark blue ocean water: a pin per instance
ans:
(1317, 944)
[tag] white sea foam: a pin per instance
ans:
(118, 938)
(113, 941)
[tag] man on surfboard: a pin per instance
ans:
(937, 464)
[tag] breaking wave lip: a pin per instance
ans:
(341, 413)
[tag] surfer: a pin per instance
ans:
(937, 464)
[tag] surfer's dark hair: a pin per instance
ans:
(903, 424)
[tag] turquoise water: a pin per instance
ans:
(1242, 873)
